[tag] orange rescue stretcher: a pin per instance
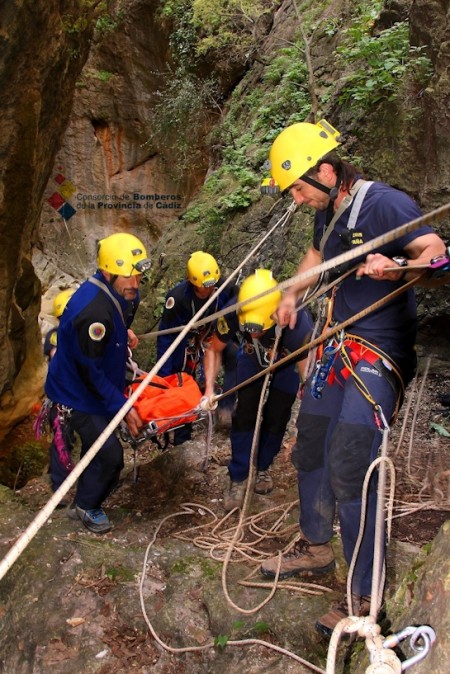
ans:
(166, 402)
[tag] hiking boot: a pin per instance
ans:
(338, 611)
(303, 557)
(263, 482)
(234, 495)
(95, 520)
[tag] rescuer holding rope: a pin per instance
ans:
(361, 374)
(254, 327)
(86, 377)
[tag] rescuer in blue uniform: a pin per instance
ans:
(182, 303)
(344, 406)
(254, 327)
(86, 376)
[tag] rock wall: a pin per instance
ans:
(108, 175)
(43, 49)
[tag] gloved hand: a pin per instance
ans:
(208, 404)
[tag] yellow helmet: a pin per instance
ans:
(122, 254)
(202, 270)
(60, 301)
(256, 316)
(298, 148)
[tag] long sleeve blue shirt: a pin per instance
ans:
(88, 370)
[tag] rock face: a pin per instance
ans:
(108, 175)
(37, 80)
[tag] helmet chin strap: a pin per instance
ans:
(331, 191)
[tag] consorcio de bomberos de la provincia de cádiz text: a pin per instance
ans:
(128, 200)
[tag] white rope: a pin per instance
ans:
(249, 491)
(188, 508)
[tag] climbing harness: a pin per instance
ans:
(353, 350)
(263, 353)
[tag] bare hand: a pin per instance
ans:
(133, 341)
(286, 313)
(375, 266)
(134, 422)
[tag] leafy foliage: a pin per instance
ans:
(380, 63)
(225, 30)
(372, 67)
(242, 630)
(108, 18)
(182, 117)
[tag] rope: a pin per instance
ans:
(366, 626)
(414, 420)
(249, 490)
(188, 508)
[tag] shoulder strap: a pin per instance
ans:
(345, 203)
(107, 291)
(357, 203)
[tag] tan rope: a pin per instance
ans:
(190, 508)
(249, 492)
(414, 420)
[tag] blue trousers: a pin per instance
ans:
(276, 414)
(102, 474)
(337, 440)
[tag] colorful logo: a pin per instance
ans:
(59, 200)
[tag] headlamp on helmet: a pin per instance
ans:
(270, 187)
(256, 315)
(202, 270)
(299, 148)
(122, 254)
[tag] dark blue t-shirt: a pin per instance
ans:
(392, 327)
